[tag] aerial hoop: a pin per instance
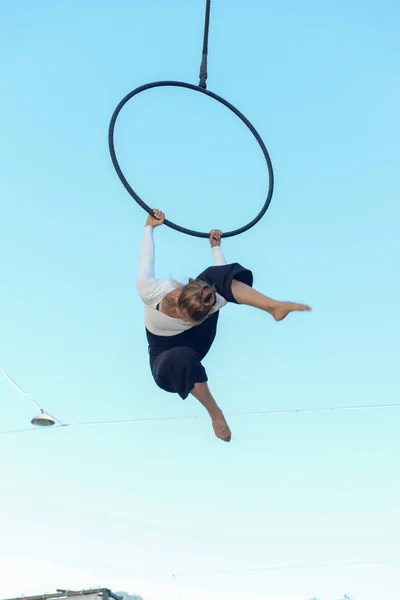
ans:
(202, 88)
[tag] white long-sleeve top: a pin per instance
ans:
(152, 290)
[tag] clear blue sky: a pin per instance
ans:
(127, 506)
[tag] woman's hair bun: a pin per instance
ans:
(197, 299)
(208, 295)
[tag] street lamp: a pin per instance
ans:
(43, 419)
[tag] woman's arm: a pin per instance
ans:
(219, 260)
(146, 282)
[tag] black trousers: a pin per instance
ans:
(175, 361)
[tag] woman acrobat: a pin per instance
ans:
(181, 320)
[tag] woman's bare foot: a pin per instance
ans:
(282, 309)
(202, 393)
(221, 428)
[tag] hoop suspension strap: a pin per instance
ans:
(203, 66)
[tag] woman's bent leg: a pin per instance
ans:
(202, 393)
(244, 294)
(180, 370)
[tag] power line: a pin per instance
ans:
(292, 567)
(233, 414)
(19, 389)
(26, 430)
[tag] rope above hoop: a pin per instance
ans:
(203, 66)
(202, 88)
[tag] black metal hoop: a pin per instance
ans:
(195, 88)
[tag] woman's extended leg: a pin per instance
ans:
(202, 393)
(244, 294)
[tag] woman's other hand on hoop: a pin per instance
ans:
(157, 219)
(215, 237)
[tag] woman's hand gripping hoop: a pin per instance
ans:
(215, 237)
(157, 219)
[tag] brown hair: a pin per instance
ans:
(196, 299)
